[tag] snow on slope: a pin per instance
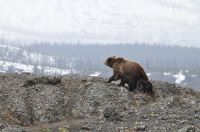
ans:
(11, 48)
(167, 73)
(19, 60)
(6, 66)
(180, 77)
(17, 67)
(13, 53)
(152, 21)
(36, 57)
(149, 74)
(96, 74)
(194, 75)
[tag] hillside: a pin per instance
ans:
(15, 59)
(173, 64)
(179, 67)
(83, 103)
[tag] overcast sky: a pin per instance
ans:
(171, 22)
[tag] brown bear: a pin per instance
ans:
(128, 71)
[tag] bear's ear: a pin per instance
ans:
(120, 59)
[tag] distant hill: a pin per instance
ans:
(168, 63)
(17, 59)
(153, 57)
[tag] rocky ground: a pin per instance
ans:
(73, 103)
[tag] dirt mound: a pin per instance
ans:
(82, 103)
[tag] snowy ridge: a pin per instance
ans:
(180, 77)
(149, 74)
(96, 74)
(18, 60)
(6, 66)
(38, 58)
(11, 48)
(167, 73)
(18, 55)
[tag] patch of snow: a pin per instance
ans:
(96, 74)
(39, 67)
(184, 84)
(193, 102)
(194, 75)
(51, 60)
(167, 73)
(180, 77)
(18, 55)
(16, 66)
(5, 66)
(187, 71)
(35, 57)
(38, 58)
(2, 71)
(25, 53)
(56, 71)
(9, 47)
(149, 74)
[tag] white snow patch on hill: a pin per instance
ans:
(96, 74)
(10, 47)
(2, 71)
(6, 66)
(24, 56)
(17, 67)
(180, 77)
(149, 74)
(8, 50)
(37, 58)
(167, 73)
(56, 71)
(194, 75)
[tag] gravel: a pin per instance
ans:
(81, 103)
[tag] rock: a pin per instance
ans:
(188, 128)
(45, 130)
(140, 126)
(43, 80)
(112, 115)
(26, 73)
(62, 129)
(13, 129)
(85, 128)
(197, 116)
(2, 126)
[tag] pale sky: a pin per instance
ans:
(171, 22)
